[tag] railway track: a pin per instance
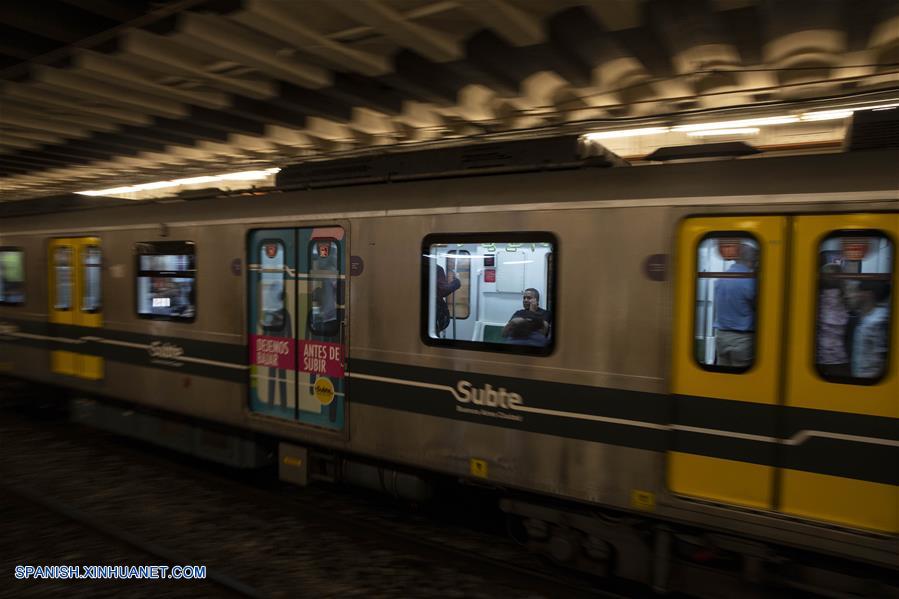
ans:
(145, 548)
(391, 543)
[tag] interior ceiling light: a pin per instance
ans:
(241, 176)
(737, 131)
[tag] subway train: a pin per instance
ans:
(682, 373)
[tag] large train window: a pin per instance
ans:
(90, 293)
(853, 311)
(505, 280)
(324, 261)
(62, 278)
(166, 278)
(12, 276)
(726, 306)
(273, 316)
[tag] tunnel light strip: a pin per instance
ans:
(627, 133)
(826, 115)
(712, 132)
(239, 176)
(842, 113)
(769, 120)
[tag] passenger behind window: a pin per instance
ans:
(324, 308)
(870, 301)
(446, 284)
(526, 330)
(735, 306)
(831, 354)
(530, 301)
(277, 324)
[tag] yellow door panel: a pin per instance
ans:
(74, 273)
(726, 481)
(92, 368)
(64, 362)
(693, 469)
(61, 258)
(855, 503)
(805, 387)
(760, 383)
(831, 254)
(89, 313)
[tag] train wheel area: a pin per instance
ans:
(227, 515)
(255, 536)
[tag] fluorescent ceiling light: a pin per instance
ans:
(842, 112)
(770, 120)
(826, 115)
(626, 133)
(711, 132)
(241, 176)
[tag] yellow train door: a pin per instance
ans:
(74, 271)
(727, 358)
(840, 448)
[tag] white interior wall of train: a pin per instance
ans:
(596, 441)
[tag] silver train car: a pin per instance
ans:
(560, 334)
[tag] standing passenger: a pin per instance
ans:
(833, 318)
(278, 324)
(446, 284)
(869, 340)
(735, 312)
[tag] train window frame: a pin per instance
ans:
(84, 270)
(54, 288)
(260, 317)
(478, 238)
(165, 248)
(468, 273)
(324, 332)
(891, 305)
(727, 234)
(21, 252)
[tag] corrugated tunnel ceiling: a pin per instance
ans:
(98, 93)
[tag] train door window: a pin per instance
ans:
(62, 278)
(726, 292)
(325, 268)
(509, 286)
(550, 277)
(12, 276)
(273, 316)
(459, 262)
(853, 313)
(91, 268)
(166, 279)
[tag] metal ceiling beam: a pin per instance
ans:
(129, 76)
(428, 42)
(222, 37)
(170, 55)
(57, 113)
(115, 94)
(38, 94)
(27, 121)
(31, 135)
(512, 23)
(277, 20)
